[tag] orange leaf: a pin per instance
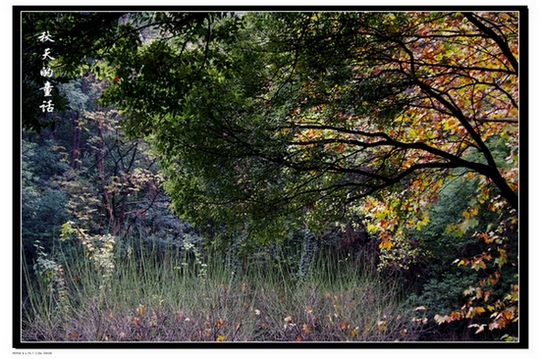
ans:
(455, 315)
(478, 310)
(385, 241)
(507, 314)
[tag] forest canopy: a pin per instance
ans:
(273, 114)
(269, 123)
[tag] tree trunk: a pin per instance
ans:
(100, 165)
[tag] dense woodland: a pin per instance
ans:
(270, 176)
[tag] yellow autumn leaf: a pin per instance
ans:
(385, 241)
(220, 338)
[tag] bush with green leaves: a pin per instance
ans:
(42, 200)
(447, 283)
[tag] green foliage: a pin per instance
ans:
(99, 249)
(308, 257)
(86, 171)
(42, 201)
(293, 117)
(78, 39)
(271, 132)
(454, 248)
(49, 272)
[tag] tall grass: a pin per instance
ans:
(178, 296)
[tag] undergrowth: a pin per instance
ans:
(131, 291)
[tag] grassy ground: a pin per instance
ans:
(95, 292)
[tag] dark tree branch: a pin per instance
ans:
(503, 45)
(504, 120)
(452, 161)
